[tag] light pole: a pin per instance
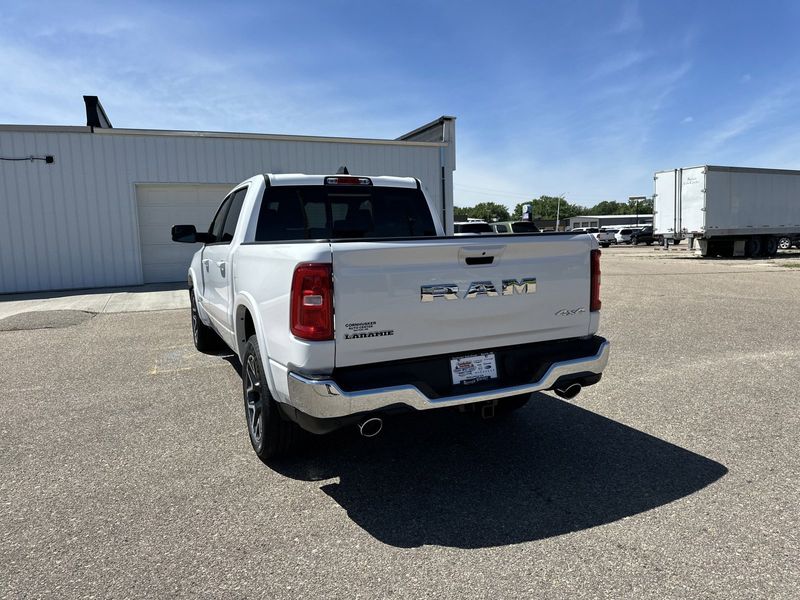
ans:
(636, 199)
(558, 210)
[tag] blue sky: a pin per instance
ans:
(585, 99)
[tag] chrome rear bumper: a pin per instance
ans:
(323, 398)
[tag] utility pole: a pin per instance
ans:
(636, 199)
(558, 211)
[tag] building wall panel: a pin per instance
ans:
(74, 224)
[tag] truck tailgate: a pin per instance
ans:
(381, 315)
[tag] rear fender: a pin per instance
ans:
(245, 303)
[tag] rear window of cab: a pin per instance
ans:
(342, 212)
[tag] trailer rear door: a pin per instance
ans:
(693, 200)
(667, 210)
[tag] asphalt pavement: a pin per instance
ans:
(127, 471)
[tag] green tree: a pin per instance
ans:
(547, 207)
(490, 211)
(608, 207)
(486, 211)
(643, 207)
(461, 213)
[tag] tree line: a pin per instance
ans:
(545, 207)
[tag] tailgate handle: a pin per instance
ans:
(479, 260)
(477, 256)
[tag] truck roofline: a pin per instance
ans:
(281, 179)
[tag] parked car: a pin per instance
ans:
(786, 242)
(605, 237)
(643, 236)
(345, 303)
(471, 228)
(514, 227)
(623, 236)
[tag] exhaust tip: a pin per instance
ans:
(370, 427)
(568, 392)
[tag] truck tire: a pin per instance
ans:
(205, 339)
(752, 247)
(770, 246)
(271, 434)
(784, 243)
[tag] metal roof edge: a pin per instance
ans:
(640, 215)
(46, 128)
(213, 134)
(426, 126)
(734, 169)
(752, 170)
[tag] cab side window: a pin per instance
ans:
(233, 216)
(215, 228)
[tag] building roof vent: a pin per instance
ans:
(95, 115)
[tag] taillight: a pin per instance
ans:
(312, 302)
(594, 297)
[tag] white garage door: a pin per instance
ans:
(160, 206)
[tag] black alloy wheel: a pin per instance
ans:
(253, 402)
(271, 433)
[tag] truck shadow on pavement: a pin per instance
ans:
(453, 480)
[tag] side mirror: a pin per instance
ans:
(188, 234)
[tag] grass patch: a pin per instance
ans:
(790, 264)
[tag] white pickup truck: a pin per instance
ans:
(345, 302)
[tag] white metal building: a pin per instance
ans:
(610, 220)
(99, 212)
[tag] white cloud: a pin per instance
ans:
(630, 19)
(758, 113)
(687, 119)
(619, 63)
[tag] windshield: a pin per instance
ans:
(330, 212)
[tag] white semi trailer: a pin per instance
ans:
(729, 211)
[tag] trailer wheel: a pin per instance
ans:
(770, 246)
(752, 247)
(784, 243)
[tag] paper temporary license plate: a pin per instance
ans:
(471, 369)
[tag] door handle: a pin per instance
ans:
(221, 265)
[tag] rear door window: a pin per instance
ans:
(342, 212)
